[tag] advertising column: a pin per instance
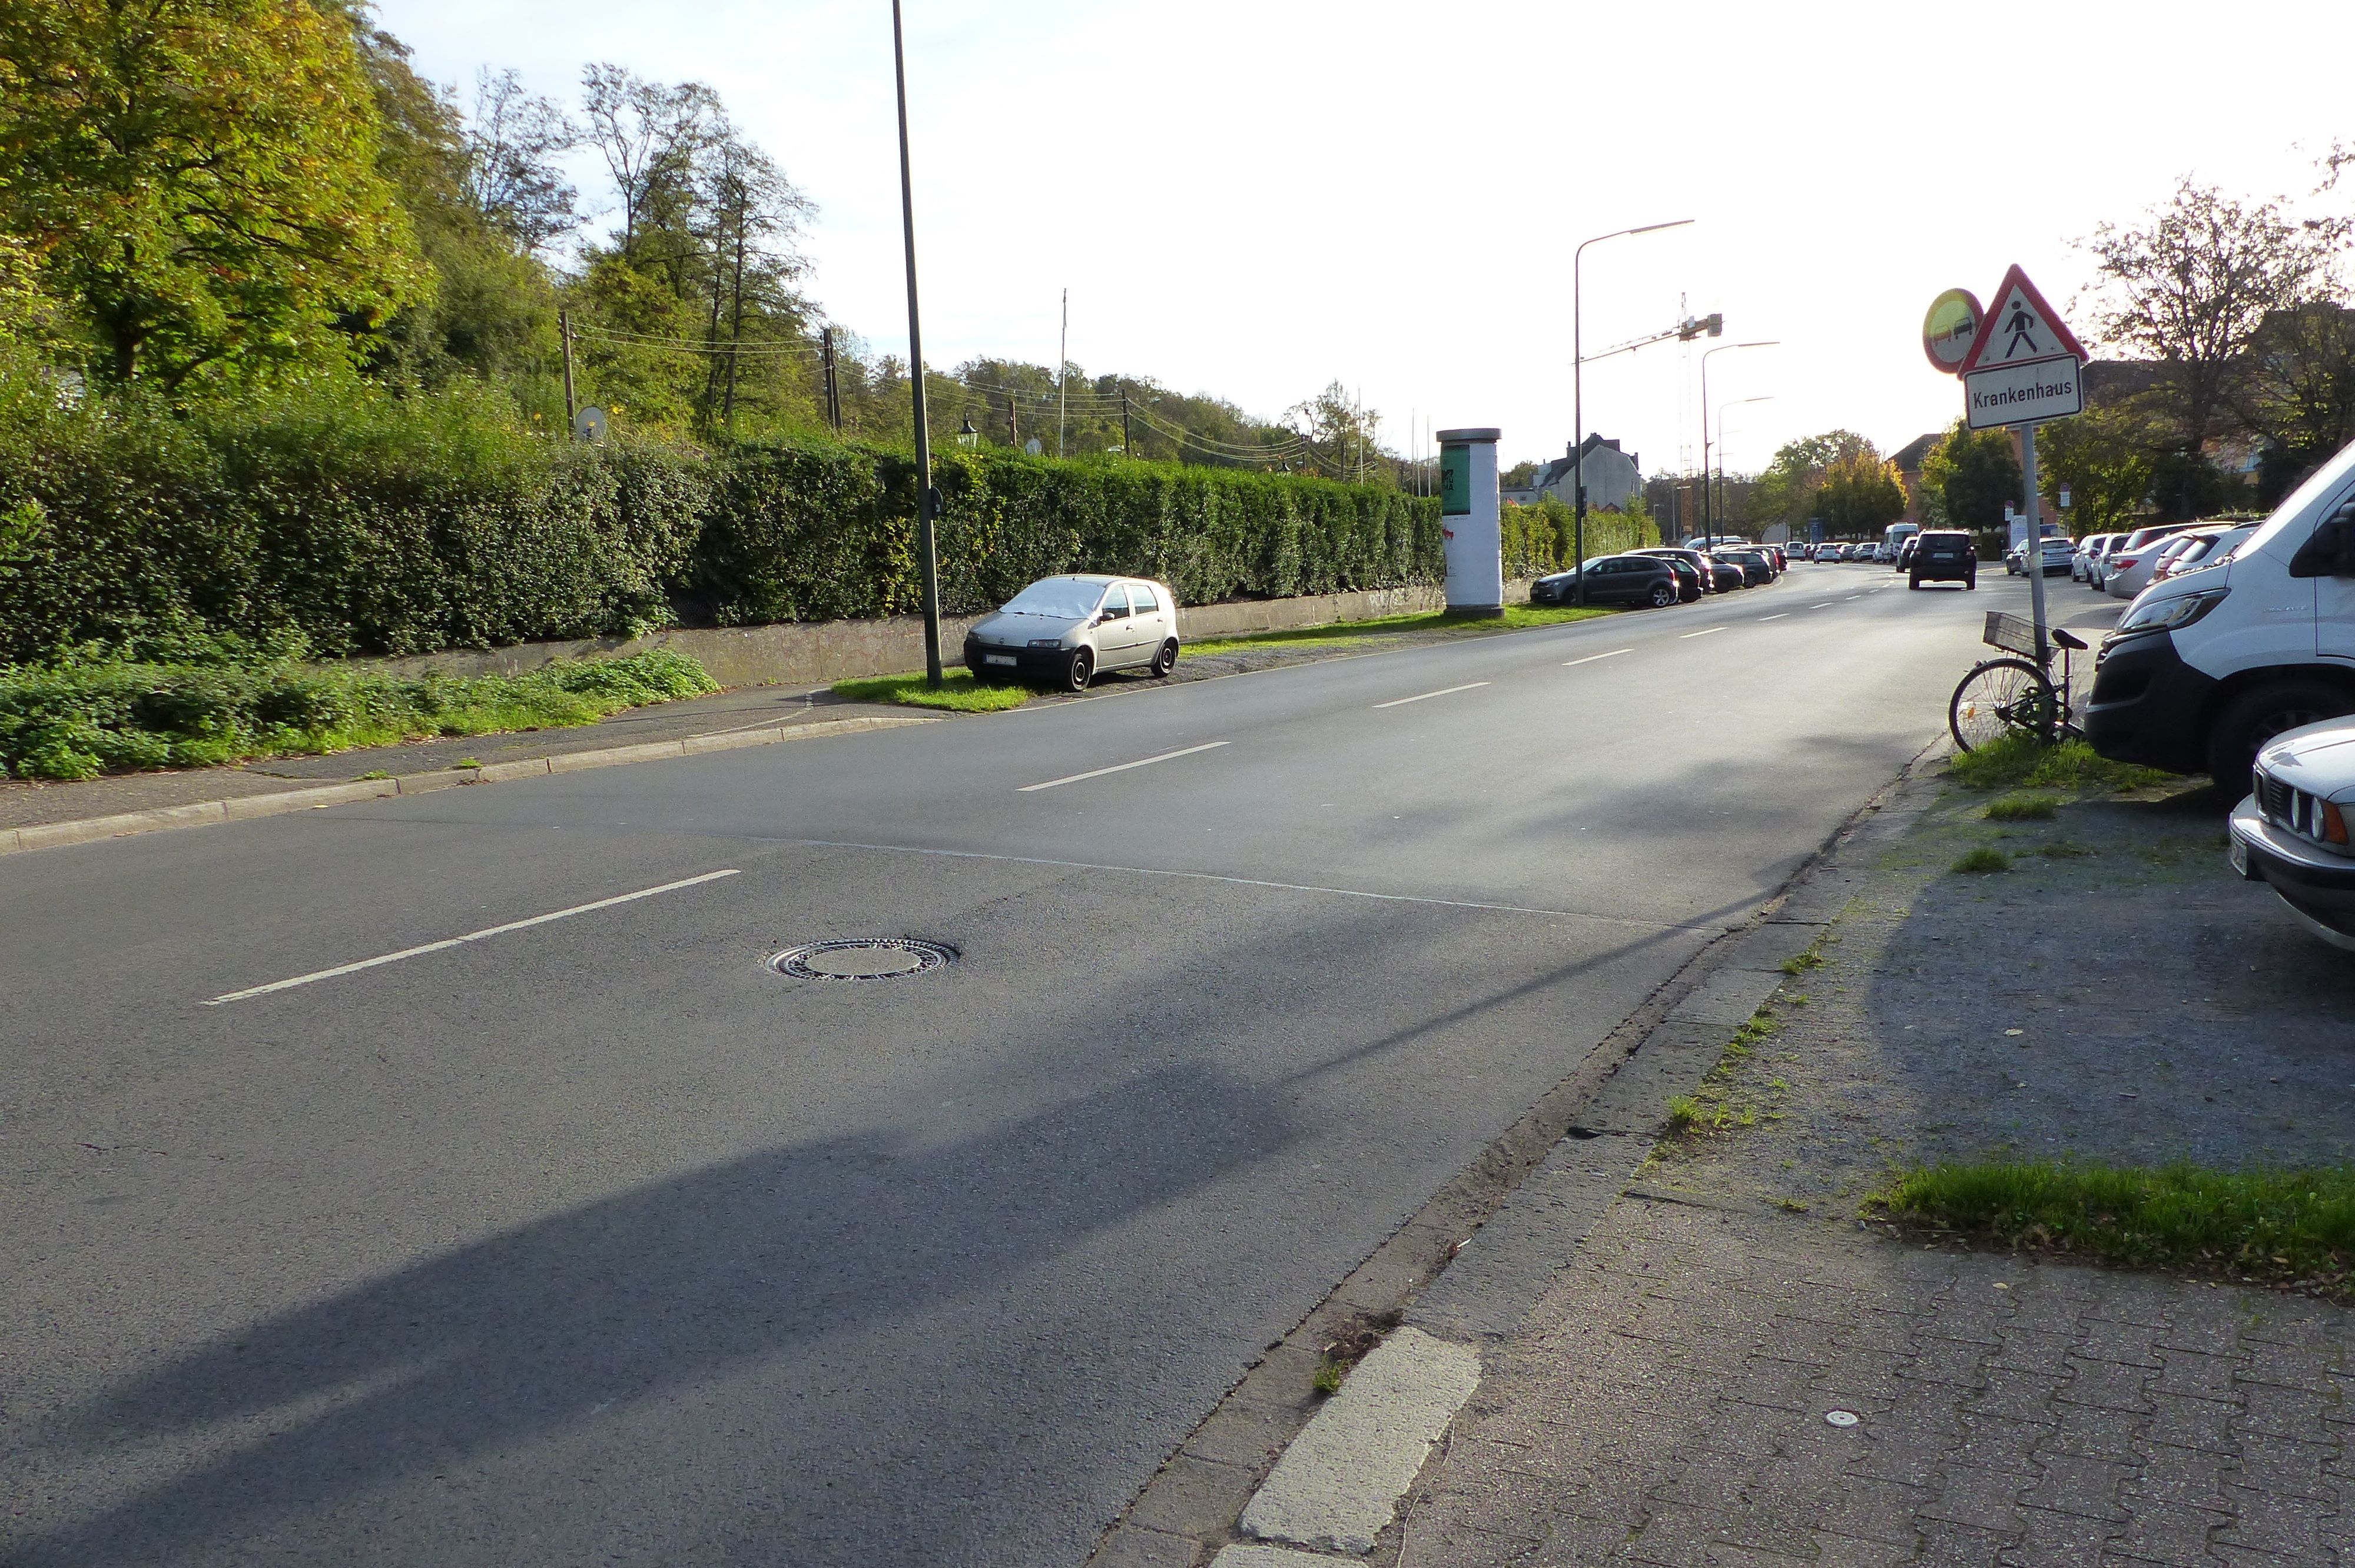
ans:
(1468, 521)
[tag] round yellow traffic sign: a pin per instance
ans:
(1949, 328)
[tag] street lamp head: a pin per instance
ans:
(1650, 227)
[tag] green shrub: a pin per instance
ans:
(220, 701)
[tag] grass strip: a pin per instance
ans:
(2022, 761)
(1341, 633)
(958, 692)
(2288, 1228)
(217, 701)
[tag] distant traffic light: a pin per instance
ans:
(1692, 327)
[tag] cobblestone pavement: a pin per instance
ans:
(1672, 1399)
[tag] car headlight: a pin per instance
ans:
(2172, 614)
(1046, 643)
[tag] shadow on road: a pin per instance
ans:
(643, 1293)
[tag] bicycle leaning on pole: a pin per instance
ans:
(2015, 695)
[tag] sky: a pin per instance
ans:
(1254, 198)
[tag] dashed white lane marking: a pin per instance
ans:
(1442, 691)
(1776, 616)
(1120, 767)
(1703, 632)
(1855, 596)
(485, 933)
(1590, 658)
(1826, 605)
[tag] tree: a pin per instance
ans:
(1861, 493)
(511, 179)
(1969, 477)
(2295, 392)
(198, 180)
(2103, 457)
(1342, 433)
(2191, 289)
(1784, 492)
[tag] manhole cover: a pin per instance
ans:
(1841, 1417)
(862, 959)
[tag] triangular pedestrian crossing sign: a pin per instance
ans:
(2021, 328)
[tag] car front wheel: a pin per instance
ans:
(2255, 717)
(1080, 671)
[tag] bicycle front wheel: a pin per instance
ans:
(2002, 696)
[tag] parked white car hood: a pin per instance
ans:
(2319, 758)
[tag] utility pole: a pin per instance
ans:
(1128, 442)
(833, 392)
(1013, 419)
(927, 500)
(564, 325)
(1063, 370)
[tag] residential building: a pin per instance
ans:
(1613, 477)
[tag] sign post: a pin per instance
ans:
(2023, 367)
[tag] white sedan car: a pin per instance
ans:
(2291, 830)
(1065, 631)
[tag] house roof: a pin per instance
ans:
(1909, 456)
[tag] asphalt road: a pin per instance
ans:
(594, 1240)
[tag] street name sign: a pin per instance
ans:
(2024, 365)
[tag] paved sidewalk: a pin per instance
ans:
(1672, 1402)
(1679, 1394)
(26, 802)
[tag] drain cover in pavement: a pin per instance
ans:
(862, 959)
(1841, 1417)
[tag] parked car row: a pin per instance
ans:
(2238, 660)
(1664, 575)
(1831, 551)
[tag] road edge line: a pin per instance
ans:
(247, 807)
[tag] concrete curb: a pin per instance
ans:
(245, 808)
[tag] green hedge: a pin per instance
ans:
(370, 523)
(366, 524)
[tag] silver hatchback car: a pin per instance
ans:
(1066, 631)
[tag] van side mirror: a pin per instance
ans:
(2329, 550)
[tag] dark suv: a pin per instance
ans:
(1944, 555)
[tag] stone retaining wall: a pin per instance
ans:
(816, 652)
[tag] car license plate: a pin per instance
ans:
(997, 658)
(2240, 855)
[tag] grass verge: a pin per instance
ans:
(2288, 1228)
(1341, 633)
(958, 692)
(203, 702)
(1980, 861)
(2022, 809)
(2022, 761)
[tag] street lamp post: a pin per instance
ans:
(1721, 408)
(1708, 522)
(927, 506)
(1577, 395)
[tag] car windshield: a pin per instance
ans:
(1062, 598)
(2321, 481)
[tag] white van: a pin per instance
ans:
(2209, 664)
